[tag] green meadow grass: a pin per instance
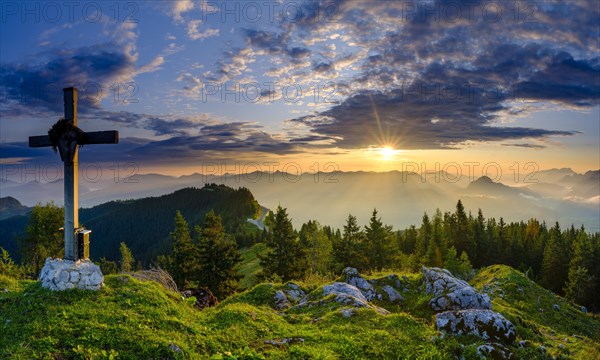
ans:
(132, 319)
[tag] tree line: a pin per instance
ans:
(565, 261)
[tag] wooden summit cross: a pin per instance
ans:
(66, 136)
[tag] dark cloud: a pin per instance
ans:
(417, 119)
(530, 146)
(170, 127)
(91, 69)
(299, 53)
(272, 42)
(430, 80)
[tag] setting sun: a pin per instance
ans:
(387, 153)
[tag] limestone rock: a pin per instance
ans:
(451, 293)
(281, 301)
(59, 274)
(352, 277)
(293, 292)
(344, 294)
(486, 324)
(494, 351)
(392, 294)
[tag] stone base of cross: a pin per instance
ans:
(67, 137)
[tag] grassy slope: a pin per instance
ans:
(250, 265)
(130, 319)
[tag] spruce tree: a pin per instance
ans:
(463, 235)
(218, 257)
(347, 248)
(185, 254)
(437, 243)
(378, 243)
(554, 264)
(579, 284)
(423, 238)
(127, 260)
(284, 257)
(481, 239)
(315, 239)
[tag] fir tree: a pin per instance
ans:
(555, 263)
(347, 248)
(579, 284)
(127, 260)
(184, 262)
(316, 241)
(378, 243)
(424, 236)
(219, 258)
(284, 257)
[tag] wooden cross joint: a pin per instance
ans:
(67, 137)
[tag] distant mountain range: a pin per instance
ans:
(400, 197)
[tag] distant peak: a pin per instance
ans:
(484, 179)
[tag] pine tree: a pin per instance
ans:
(347, 248)
(219, 257)
(378, 243)
(127, 260)
(284, 257)
(185, 262)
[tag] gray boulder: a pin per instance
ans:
(486, 324)
(281, 301)
(343, 294)
(451, 293)
(352, 277)
(293, 292)
(392, 294)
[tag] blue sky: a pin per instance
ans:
(187, 82)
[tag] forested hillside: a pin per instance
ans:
(144, 224)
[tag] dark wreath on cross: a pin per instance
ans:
(65, 136)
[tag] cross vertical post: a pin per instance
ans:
(71, 181)
(66, 137)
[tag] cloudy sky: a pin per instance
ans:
(365, 85)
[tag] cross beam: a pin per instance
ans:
(68, 146)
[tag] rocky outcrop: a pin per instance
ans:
(281, 301)
(343, 294)
(59, 274)
(451, 293)
(392, 294)
(291, 293)
(352, 277)
(464, 311)
(486, 324)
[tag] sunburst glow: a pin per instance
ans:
(387, 152)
